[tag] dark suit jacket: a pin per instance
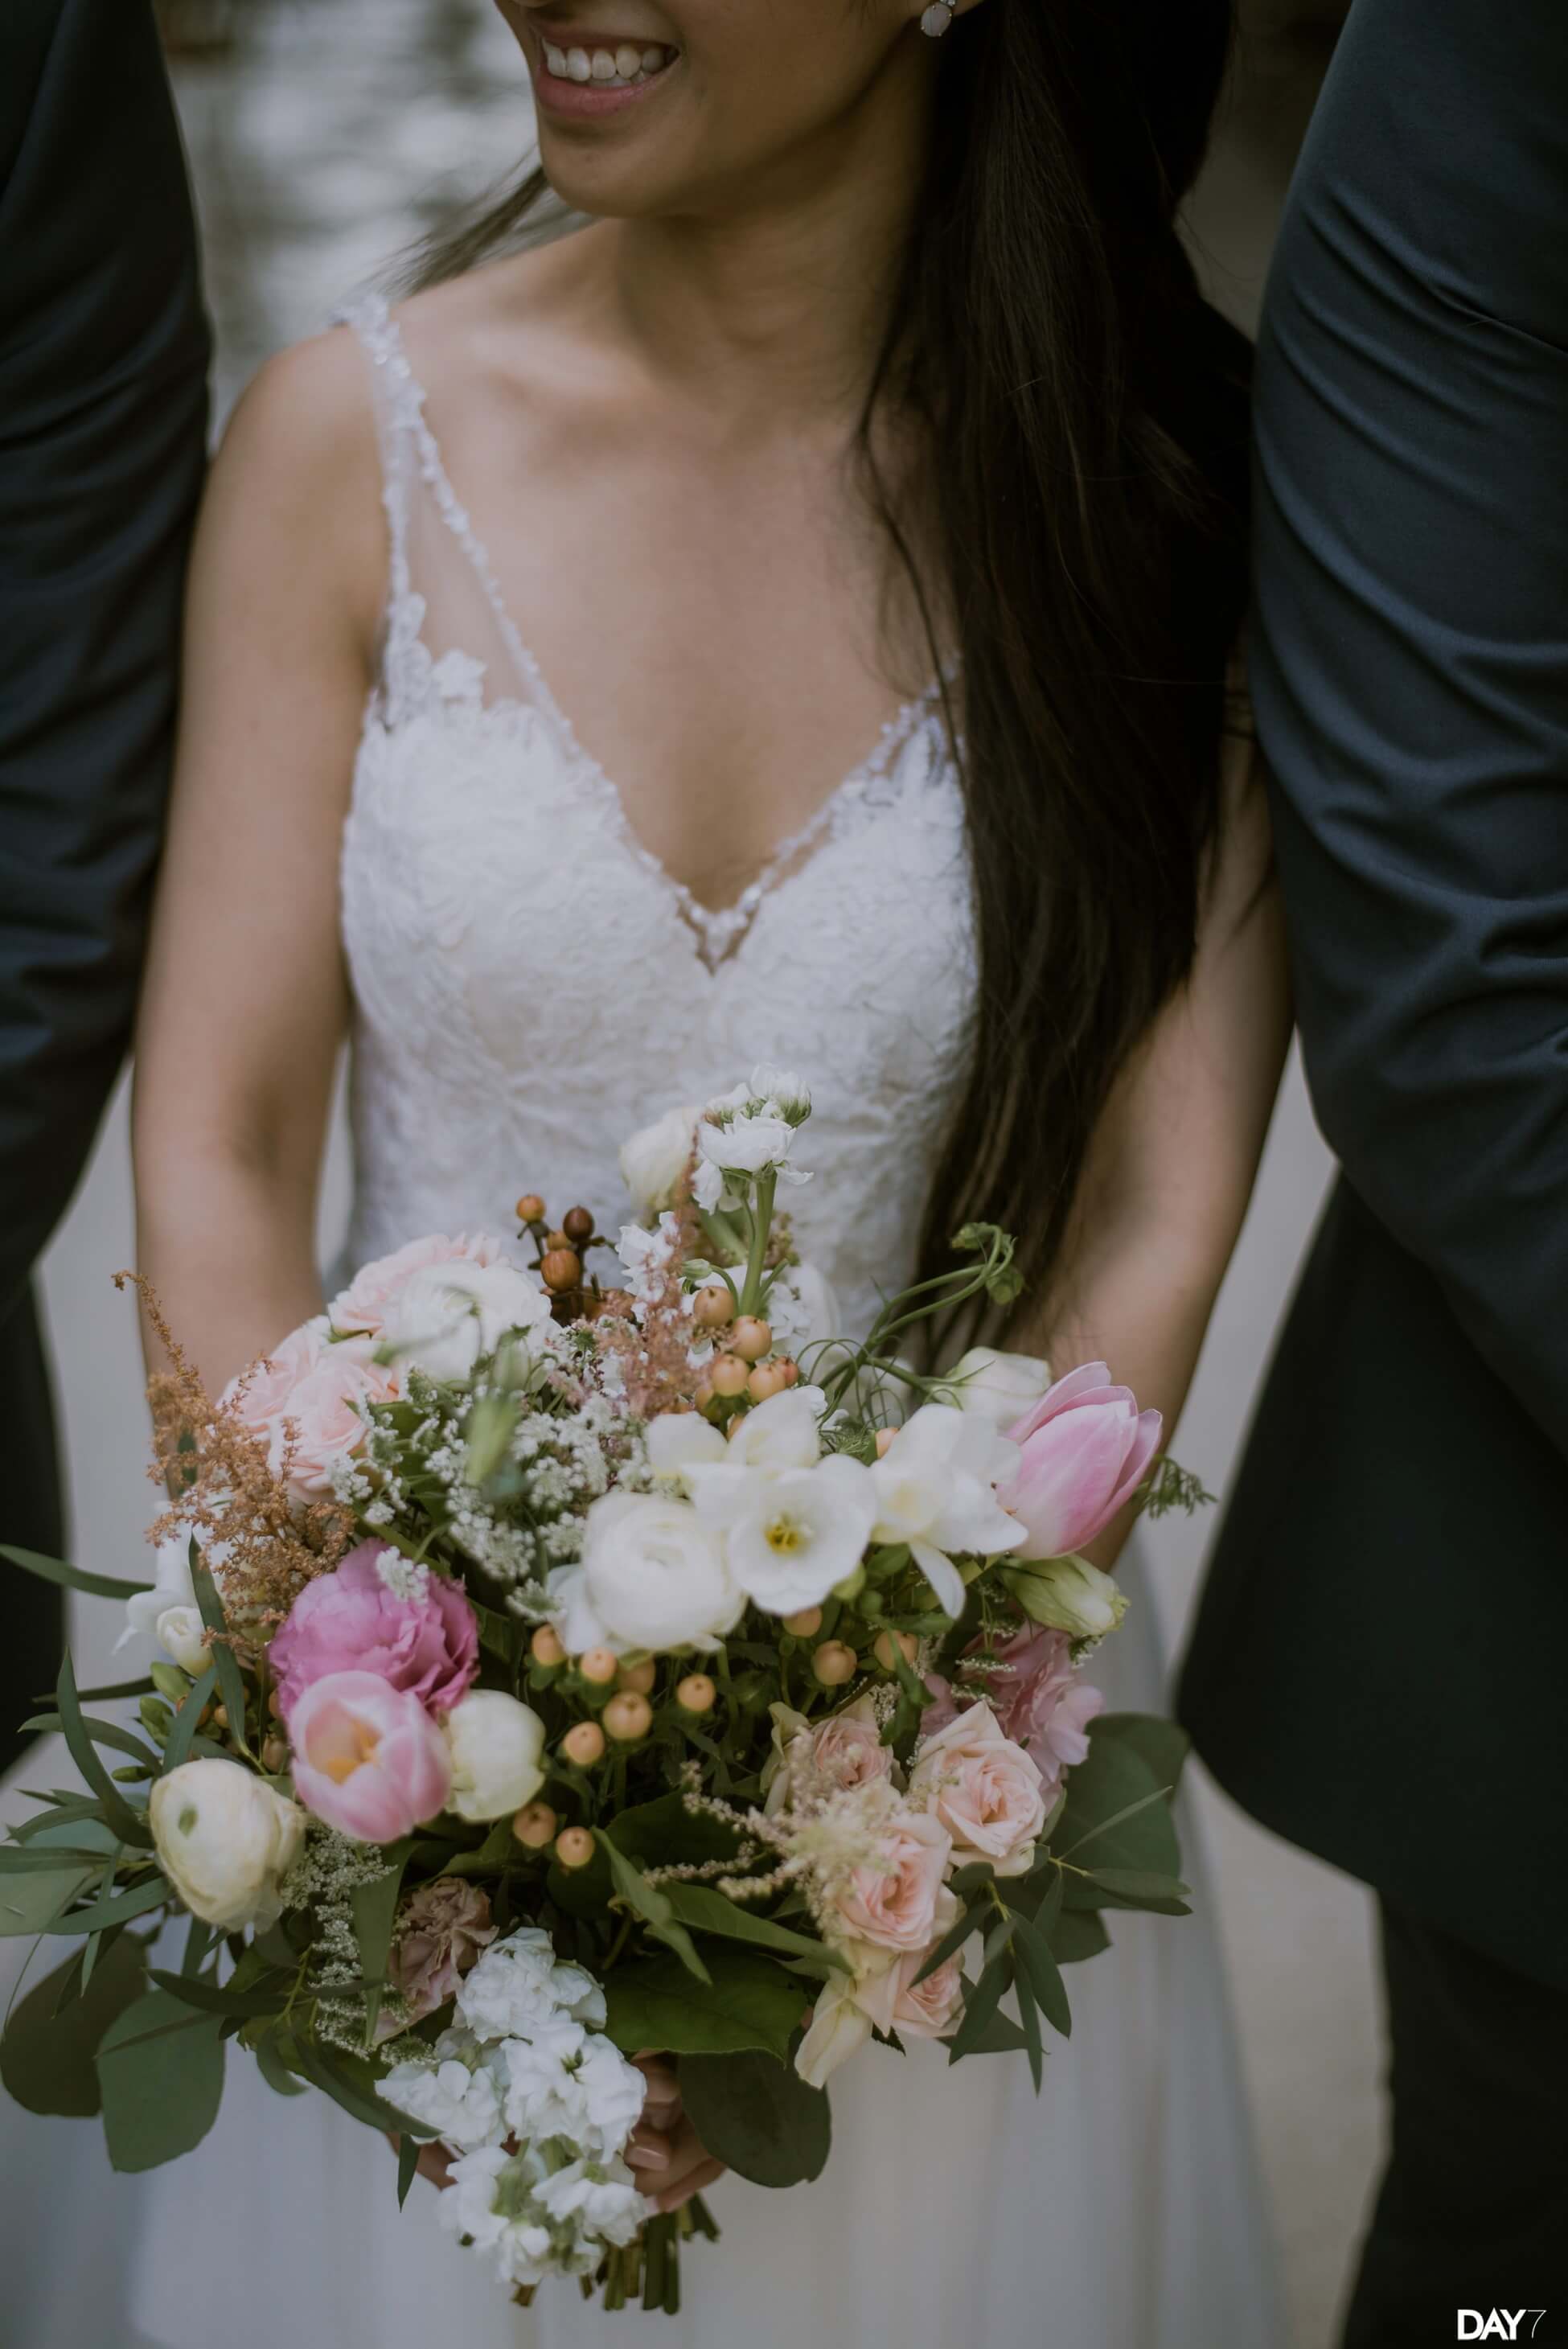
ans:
(1381, 1665)
(103, 420)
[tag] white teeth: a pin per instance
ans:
(624, 66)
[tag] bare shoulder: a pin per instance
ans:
(525, 328)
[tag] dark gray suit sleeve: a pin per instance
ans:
(103, 415)
(1410, 647)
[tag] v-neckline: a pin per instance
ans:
(718, 932)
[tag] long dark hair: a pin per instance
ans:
(1079, 540)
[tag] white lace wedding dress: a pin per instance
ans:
(529, 985)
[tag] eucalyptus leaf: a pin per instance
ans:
(749, 2002)
(160, 2068)
(275, 2070)
(221, 1999)
(230, 1681)
(980, 2005)
(177, 1748)
(116, 1907)
(1107, 1797)
(758, 2116)
(374, 1907)
(117, 1813)
(408, 2166)
(70, 1578)
(47, 2055)
(1041, 1976)
(1160, 1743)
(30, 1904)
(1079, 1934)
(707, 1911)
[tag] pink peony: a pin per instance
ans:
(892, 1900)
(441, 1929)
(985, 1790)
(350, 1621)
(1040, 1700)
(1086, 1449)
(362, 1306)
(367, 1758)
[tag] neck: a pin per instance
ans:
(781, 290)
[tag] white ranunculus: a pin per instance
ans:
(654, 1159)
(182, 1635)
(838, 2029)
(679, 1439)
(996, 1386)
(802, 1309)
(789, 1094)
(936, 1489)
(1069, 1595)
(225, 1839)
(461, 2105)
(496, 1744)
(446, 1316)
(790, 1535)
(653, 1575)
(746, 1145)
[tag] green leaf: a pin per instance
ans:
(47, 2055)
(407, 2166)
(41, 1860)
(1028, 2015)
(664, 1834)
(653, 1906)
(1079, 1934)
(758, 2116)
(66, 1813)
(1000, 2036)
(980, 2005)
(952, 1939)
(501, 1636)
(230, 1681)
(275, 2070)
(1129, 1887)
(117, 1690)
(117, 1813)
(160, 2068)
(1162, 1744)
(707, 1911)
(374, 1912)
(1107, 1798)
(1117, 1818)
(102, 1733)
(748, 2002)
(215, 1998)
(70, 1578)
(116, 1908)
(30, 1904)
(350, 2081)
(177, 1747)
(1042, 1977)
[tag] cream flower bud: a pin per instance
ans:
(999, 1387)
(654, 1159)
(1069, 1595)
(225, 1839)
(496, 1745)
(181, 1633)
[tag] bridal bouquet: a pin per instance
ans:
(558, 1668)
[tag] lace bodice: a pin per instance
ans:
(530, 984)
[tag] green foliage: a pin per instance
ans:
(707, 1911)
(665, 1834)
(647, 1901)
(1115, 1826)
(30, 1901)
(374, 1908)
(160, 2069)
(70, 1578)
(756, 2115)
(178, 1744)
(46, 2056)
(748, 2002)
(230, 1681)
(1174, 1487)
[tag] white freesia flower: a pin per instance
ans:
(225, 1839)
(654, 1159)
(496, 1744)
(790, 1535)
(1069, 1595)
(936, 1490)
(173, 1589)
(519, 1982)
(782, 1432)
(679, 1439)
(838, 2029)
(459, 2104)
(996, 1386)
(446, 1316)
(182, 1635)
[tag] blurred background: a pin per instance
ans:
(323, 136)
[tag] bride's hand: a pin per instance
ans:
(669, 2158)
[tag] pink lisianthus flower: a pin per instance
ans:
(1039, 1698)
(367, 1758)
(361, 1307)
(1086, 1448)
(892, 1901)
(442, 1928)
(351, 1621)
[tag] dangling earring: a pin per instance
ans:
(934, 20)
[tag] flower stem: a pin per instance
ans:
(761, 1226)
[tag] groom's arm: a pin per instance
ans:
(103, 407)
(1410, 664)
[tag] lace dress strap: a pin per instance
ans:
(399, 404)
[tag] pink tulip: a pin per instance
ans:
(367, 1758)
(1086, 1450)
(351, 1621)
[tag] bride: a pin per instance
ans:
(789, 619)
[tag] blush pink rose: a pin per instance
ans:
(324, 1422)
(441, 1930)
(892, 1902)
(985, 1790)
(896, 2001)
(847, 1751)
(1086, 1448)
(349, 1621)
(362, 1306)
(1040, 1700)
(367, 1758)
(262, 1394)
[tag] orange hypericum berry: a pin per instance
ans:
(765, 1381)
(599, 1666)
(562, 1269)
(535, 1826)
(584, 1743)
(697, 1693)
(729, 1375)
(908, 1648)
(628, 1716)
(640, 1678)
(714, 1307)
(805, 1624)
(545, 1647)
(751, 1337)
(531, 1208)
(833, 1663)
(578, 1226)
(574, 1847)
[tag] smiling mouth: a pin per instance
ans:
(619, 65)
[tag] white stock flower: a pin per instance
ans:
(446, 1316)
(654, 1159)
(838, 2029)
(520, 1982)
(612, 2092)
(489, 2203)
(790, 1535)
(496, 1744)
(544, 2092)
(603, 2198)
(994, 1386)
(225, 1840)
(936, 1490)
(459, 2104)
(652, 1576)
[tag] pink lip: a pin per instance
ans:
(581, 100)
